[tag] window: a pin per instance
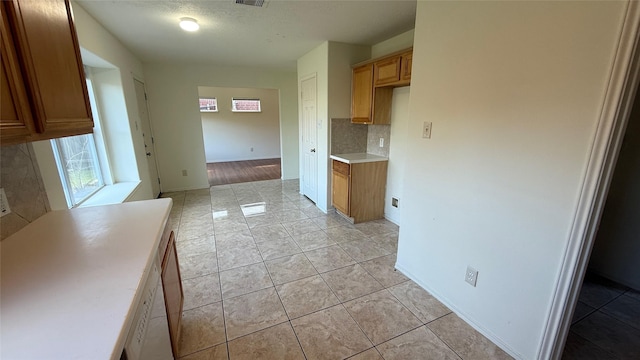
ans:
(78, 166)
(79, 159)
(208, 105)
(245, 105)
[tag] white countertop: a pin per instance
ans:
(71, 280)
(358, 158)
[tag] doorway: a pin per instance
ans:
(147, 134)
(309, 137)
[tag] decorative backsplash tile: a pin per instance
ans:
(348, 138)
(20, 177)
(375, 133)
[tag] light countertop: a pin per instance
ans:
(71, 280)
(358, 158)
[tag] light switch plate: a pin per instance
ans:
(426, 130)
(4, 204)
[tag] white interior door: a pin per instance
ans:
(309, 138)
(149, 148)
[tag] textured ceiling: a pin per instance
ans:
(273, 36)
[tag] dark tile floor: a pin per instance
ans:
(606, 322)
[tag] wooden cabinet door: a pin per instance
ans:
(341, 187)
(387, 71)
(407, 59)
(15, 115)
(362, 94)
(47, 45)
(173, 295)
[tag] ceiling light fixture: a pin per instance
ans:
(189, 24)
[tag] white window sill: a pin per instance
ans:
(112, 194)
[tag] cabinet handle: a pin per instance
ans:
(148, 154)
(313, 150)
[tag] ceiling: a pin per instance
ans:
(272, 36)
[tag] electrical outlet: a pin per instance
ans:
(394, 202)
(472, 276)
(184, 172)
(4, 204)
(426, 130)
(381, 142)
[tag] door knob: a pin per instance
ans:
(313, 150)
(148, 154)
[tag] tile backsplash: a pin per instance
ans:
(375, 133)
(21, 180)
(348, 138)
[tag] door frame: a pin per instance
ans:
(617, 105)
(301, 131)
(153, 145)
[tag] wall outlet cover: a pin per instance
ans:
(381, 142)
(394, 202)
(4, 204)
(426, 130)
(471, 276)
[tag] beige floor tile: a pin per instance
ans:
(201, 291)
(226, 226)
(381, 316)
(236, 257)
(274, 249)
(196, 246)
(363, 250)
(351, 282)
(375, 228)
(383, 270)
(312, 211)
(371, 354)
(218, 352)
(252, 312)
(304, 296)
(243, 280)
(290, 268)
(465, 340)
(290, 215)
(329, 258)
(387, 242)
(420, 343)
(330, 334)
(198, 265)
(188, 233)
(233, 240)
(419, 301)
(202, 327)
(313, 240)
(269, 232)
(301, 227)
(342, 234)
(277, 342)
(325, 222)
(261, 220)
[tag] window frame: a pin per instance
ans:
(208, 110)
(234, 102)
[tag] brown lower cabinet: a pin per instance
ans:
(358, 190)
(173, 294)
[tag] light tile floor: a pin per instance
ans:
(266, 275)
(606, 322)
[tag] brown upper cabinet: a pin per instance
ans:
(372, 87)
(44, 91)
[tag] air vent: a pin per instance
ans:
(258, 3)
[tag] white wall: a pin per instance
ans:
(514, 91)
(397, 153)
(616, 252)
(173, 105)
(331, 62)
(233, 136)
(94, 38)
(396, 43)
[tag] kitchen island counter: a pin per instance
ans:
(72, 279)
(356, 158)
